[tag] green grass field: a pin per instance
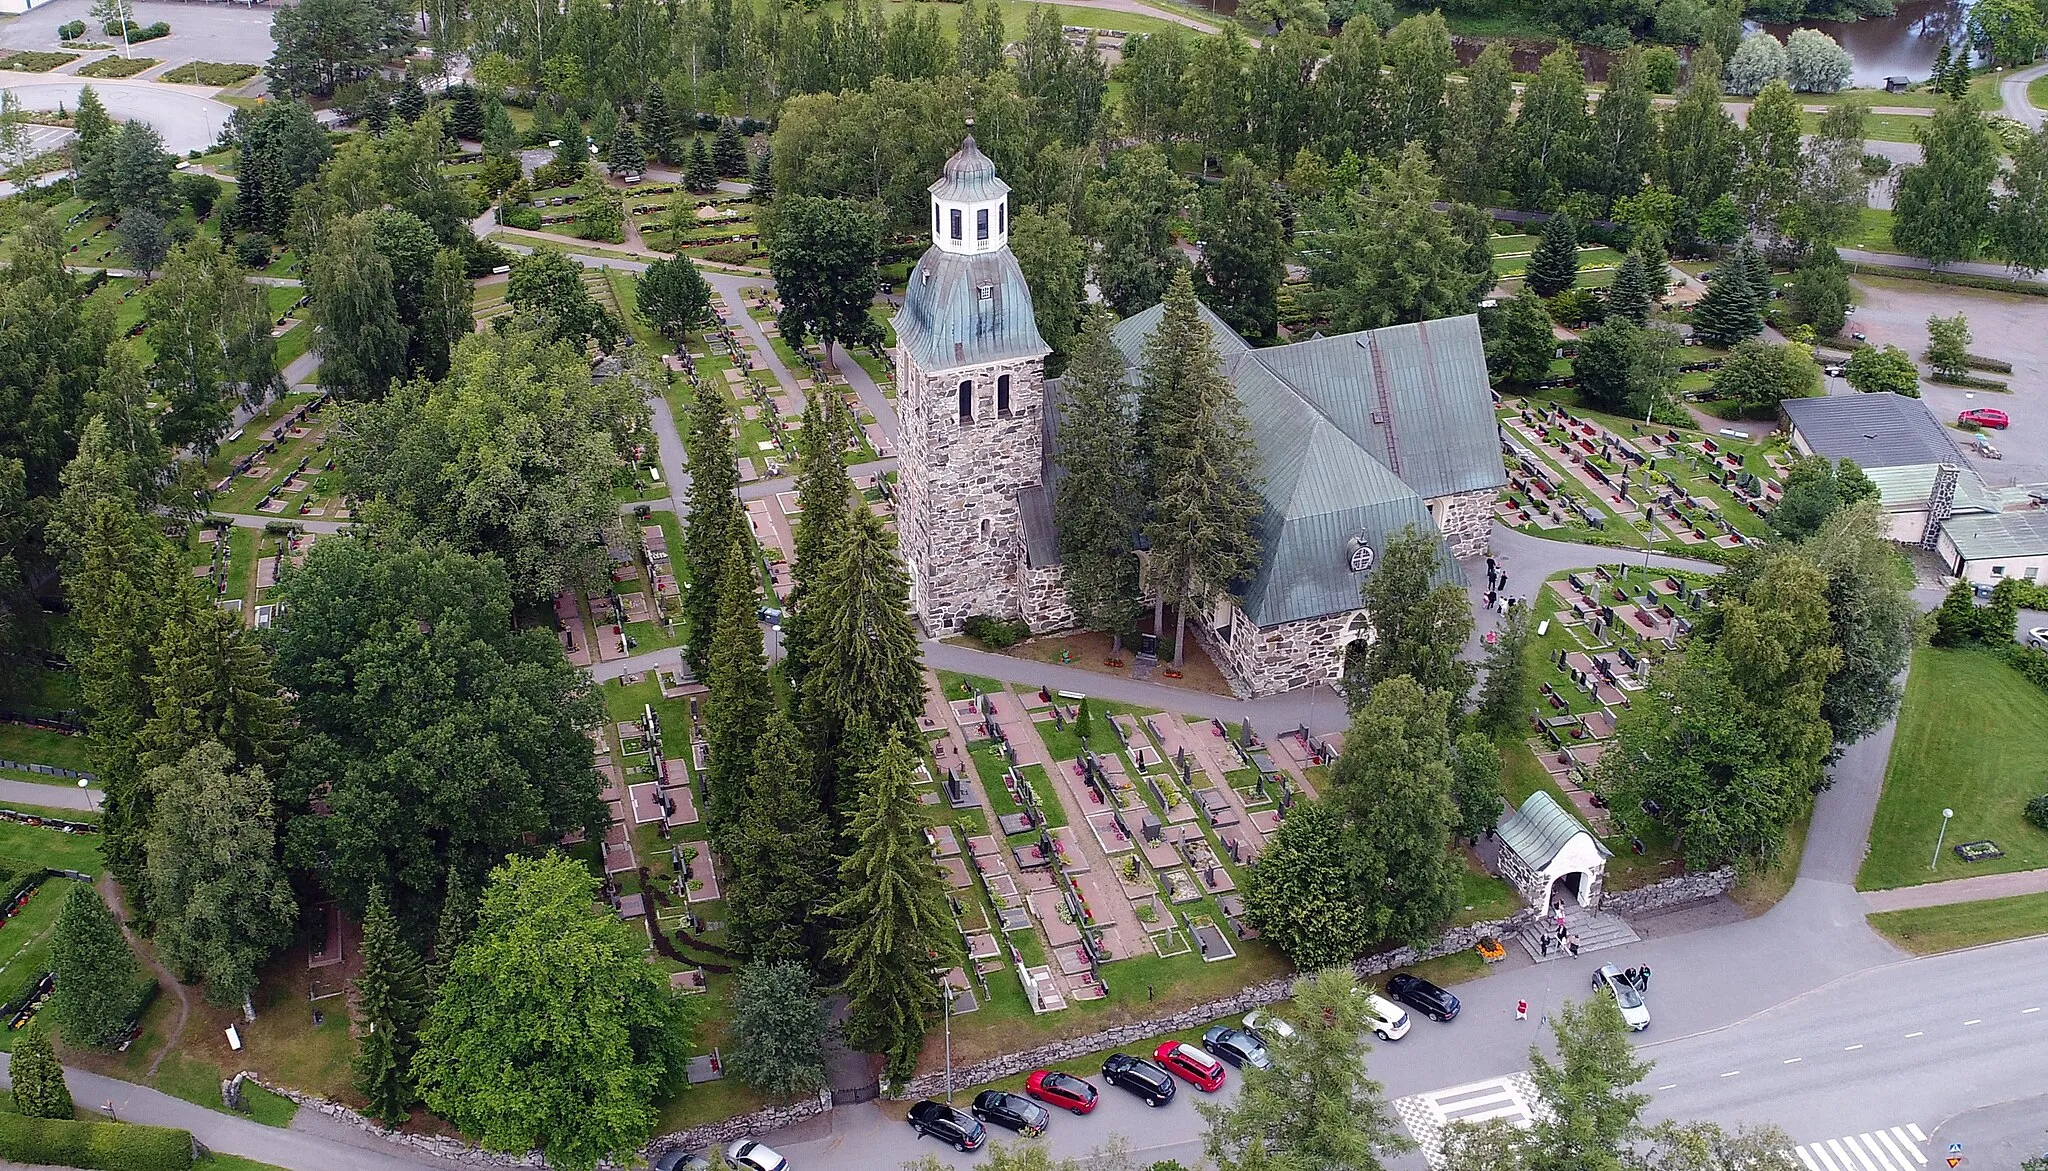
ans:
(1925, 930)
(36, 746)
(1973, 737)
(1873, 231)
(2037, 93)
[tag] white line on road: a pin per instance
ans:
(1672, 1086)
(2025, 1011)
(1978, 1021)
(1910, 1036)
(1911, 1147)
(1852, 1048)
(1731, 1073)
(1792, 1060)
(1897, 1151)
(1913, 1128)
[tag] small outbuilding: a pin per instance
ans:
(1549, 853)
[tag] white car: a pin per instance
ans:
(1387, 1020)
(1271, 1029)
(2038, 638)
(1627, 996)
(751, 1154)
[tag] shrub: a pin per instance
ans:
(2037, 811)
(33, 62)
(71, 31)
(252, 249)
(214, 73)
(101, 1146)
(118, 66)
(996, 632)
(137, 32)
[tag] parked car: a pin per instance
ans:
(1267, 1027)
(1061, 1089)
(682, 1161)
(1198, 1068)
(1387, 1020)
(751, 1154)
(1140, 1077)
(2038, 638)
(1237, 1047)
(1626, 995)
(1423, 996)
(1990, 417)
(1011, 1112)
(956, 1128)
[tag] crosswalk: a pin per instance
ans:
(1893, 1149)
(1512, 1099)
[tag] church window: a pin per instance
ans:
(935, 219)
(966, 400)
(956, 223)
(981, 224)
(1003, 394)
(987, 528)
(1003, 216)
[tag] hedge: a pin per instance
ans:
(97, 1146)
(1959, 279)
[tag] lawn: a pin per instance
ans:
(48, 847)
(1925, 930)
(25, 943)
(2037, 93)
(1973, 736)
(36, 746)
(1873, 231)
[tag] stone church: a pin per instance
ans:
(1359, 436)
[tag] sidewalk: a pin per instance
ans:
(1957, 890)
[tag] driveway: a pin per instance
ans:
(187, 118)
(234, 33)
(2013, 93)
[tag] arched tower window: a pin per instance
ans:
(1003, 394)
(981, 224)
(966, 400)
(956, 223)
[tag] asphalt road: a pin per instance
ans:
(185, 117)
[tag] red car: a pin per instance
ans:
(1195, 1067)
(1984, 417)
(1061, 1089)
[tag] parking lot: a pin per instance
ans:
(226, 31)
(2005, 326)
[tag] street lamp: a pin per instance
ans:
(1945, 815)
(90, 805)
(949, 1042)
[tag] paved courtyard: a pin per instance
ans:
(219, 31)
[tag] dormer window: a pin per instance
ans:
(984, 292)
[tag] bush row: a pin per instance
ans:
(996, 632)
(98, 1146)
(137, 32)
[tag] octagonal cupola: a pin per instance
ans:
(970, 206)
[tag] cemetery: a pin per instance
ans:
(1574, 476)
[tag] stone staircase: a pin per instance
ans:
(1595, 931)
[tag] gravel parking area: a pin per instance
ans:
(223, 31)
(2005, 326)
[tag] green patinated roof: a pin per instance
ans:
(1910, 484)
(1541, 828)
(2000, 534)
(1354, 433)
(967, 310)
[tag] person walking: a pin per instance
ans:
(1544, 939)
(1521, 1010)
(1643, 978)
(1573, 944)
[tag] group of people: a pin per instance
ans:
(1497, 599)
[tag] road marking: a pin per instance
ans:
(1913, 1128)
(1904, 1142)
(1910, 1036)
(1878, 1150)
(1894, 1148)
(1731, 1073)
(1672, 1086)
(1792, 1060)
(1852, 1048)
(2025, 1011)
(1978, 1021)
(1511, 1099)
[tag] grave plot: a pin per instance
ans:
(277, 465)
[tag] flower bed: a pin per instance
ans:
(118, 66)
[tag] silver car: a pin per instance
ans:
(1627, 996)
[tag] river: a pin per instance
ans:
(1901, 45)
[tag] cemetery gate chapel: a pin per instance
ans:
(1359, 436)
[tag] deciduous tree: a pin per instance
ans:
(1055, 265)
(1507, 674)
(1308, 894)
(546, 288)
(1943, 209)
(1420, 620)
(2020, 229)
(825, 255)
(1948, 345)
(1519, 340)
(1394, 782)
(1759, 375)
(672, 297)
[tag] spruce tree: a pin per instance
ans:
(659, 125)
(699, 174)
(1730, 311)
(865, 675)
(823, 490)
(896, 927)
(466, 119)
(1244, 259)
(1554, 266)
(760, 179)
(39, 1089)
(97, 978)
(739, 697)
(713, 518)
(1629, 296)
(626, 157)
(411, 101)
(728, 150)
(1098, 507)
(1206, 506)
(212, 683)
(391, 1003)
(780, 852)
(451, 931)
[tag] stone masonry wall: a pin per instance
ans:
(1262, 661)
(718, 1134)
(1046, 607)
(1466, 519)
(1256, 996)
(1670, 892)
(961, 531)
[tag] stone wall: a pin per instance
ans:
(717, 1134)
(1046, 606)
(1263, 661)
(1466, 519)
(1256, 996)
(961, 531)
(427, 1144)
(1670, 892)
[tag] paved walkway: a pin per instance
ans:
(70, 796)
(2012, 93)
(1958, 890)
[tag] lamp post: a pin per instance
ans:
(1945, 815)
(949, 1042)
(91, 806)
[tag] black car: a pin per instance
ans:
(1236, 1046)
(1140, 1077)
(948, 1125)
(1011, 1112)
(1424, 997)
